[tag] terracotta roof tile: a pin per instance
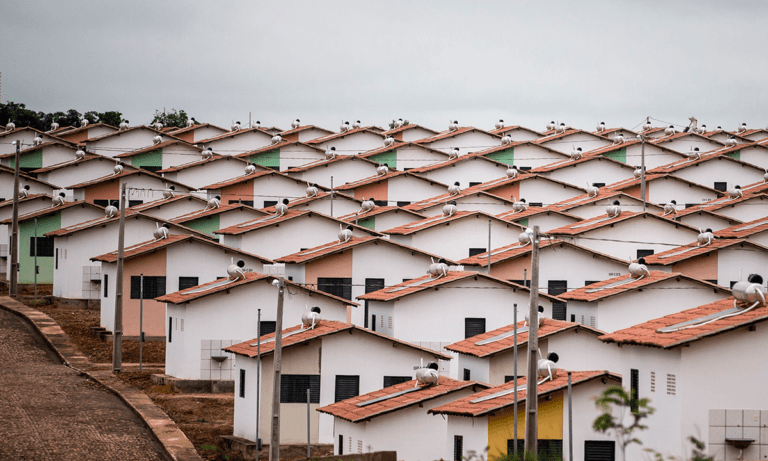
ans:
(681, 253)
(460, 159)
(324, 162)
(230, 134)
(720, 154)
(377, 210)
(292, 213)
(154, 147)
(120, 132)
(280, 145)
(129, 172)
(163, 201)
(597, 291)
(50, 210)
(246, 177)
(512, 216)
(501, 131)
(408, 127)
(215, 211)
(666, 138)
(194, 127)
(601, 221)
(304, 128)
(29, 198)
(335, 247)
(305, 200)
(56, 142)
(744, 230)
(215, 158)
(449, 134)
(726, 201)
(88, 158)
(427, 223)
(333, 136)
(585, 159)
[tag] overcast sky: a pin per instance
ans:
(425, 61)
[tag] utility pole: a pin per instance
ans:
(274, 442)
(117, 344)
(570, 419)
(15, 226)
(515, 377)
(141, 320)
(331, 196)
(531, 393)
(489, 248)
(258, 381)
(35, 261)
(642, 169)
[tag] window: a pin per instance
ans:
(132, 203)
(244, 202)
(473, 327)
(269, 203)
(381, 202)
(44, 247)
(373, 322)
(153, 287)
(644, 253)
(714, 282)
(242, 383)
(573, 317)
(556, 287)
(598, 184)
(559, 311)
(526, 283)
(511, 446)
(590, 282)
(548, 449)
(187, 282)
(458, 447)
(153, 169)
(474, 183)
(476, 251)
(539, 204)
(371, 285)
(341, 444)
(293, 388)
(599, 450)
(634, 383)
(721, 186)
(524, 168)
(393, 380)
(338, 286)
(267, 326)
(347, 386)
(467, 374)
(733, 283)
(403, 203)
(509, 378)
(170, 329)
(671, 385)
(689, 205)
(57, 258)
(106, 285)
(106, 203)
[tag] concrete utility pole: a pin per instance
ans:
(570, 419)
(331, 196)
(117, 344)
(531, 393)
(642, 169)
(515, 377)
(258, 380)
(35, 261)
(489, 247)
(15, 226)
(274, 441)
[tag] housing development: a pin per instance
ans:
(401, 259)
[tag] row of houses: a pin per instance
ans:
(354, 220)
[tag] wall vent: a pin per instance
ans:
(671, 385)
(653, 381)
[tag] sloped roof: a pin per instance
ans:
(601, 221)
(410, 126)
(458, 160)
(447, 197)
(325, 162)
(607, 288)
(743, 230)
(230, 134)
(89, 157)
(333, 136)
(726, 201)
(427, 223)
(280, 145)
(682, 134)
(215, 158)
(305, 128)
(377, 210)
(247, 177)
(154, 147)
(321, 251)
(164, 201)
(51, 210)
(83, 128)
(584, 159)
(195, 127)
(28, 198)
(718, 154)
(602, 194)
(533, 211)
(127, 130)
(513, 128)
(129, 213)
(195, 215)
(292, 213)
(450, 134)
(25, 177)
(650, 177)
(551, 135)
(56, 142)
(692, 250)
(129, 172)
(516, 251)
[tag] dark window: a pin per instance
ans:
(712, 282)
(559, 311)
(242, 383)
(132, 203)
(293, 388)
(689, 205)
(511, 445)
(598, 184)
(526, 283)
(187, 282)
(458, 447)
(339, 286)
(644, 253)
(170, 329)
(44, 247)
(153, 169)
(106, 203)
(548, 449)
(403, 203)
(476, 251)
(539, 204)
(373, 323)
(267, 326)
(599, 450)
(721, 186)
(508, 378)
(634, 388)
(153, 287)
(57, 258)
(524, 168)
(733, 283)
(590, 282)
(371, 285)
(407, 280)
(473, 327)
(472, 184)
(244, 202)
(341, 444)
(573, 317)
(381, 202)
(393, 380)
(347, 386)
(556, 287)
(106, 285)
(467, 374)
(269, 203)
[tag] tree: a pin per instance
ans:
(617, 397)
(21, 116)
(177, 118)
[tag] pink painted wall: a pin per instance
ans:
(702, 267)
(153, 264)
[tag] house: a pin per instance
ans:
(722, 136)
(540, 216)
(467, 303)
(525, 155)
(662, 188)
(167, 265)
(486, 419)
(395, 415)
(589, 206)
(557, 260)
(237, 142)
(565, 140)
(75, 276)
(405, 156)
(284, 155)
(469, 170)
(198, 132)
(461, 234)
(595, 171)
(118, 142)
(755, 153)
(79, 135)
(625, 234)
(259, 189)
(490, 357)
(316, 199)
(27, 137)
(381, 218)
(721, 262)
(467, 139)
(26, 182)
(744, 208)
(470, 199)
(393, 187)
(199, 173)
(37, 223)
(755, 134)
(676, 361)
(753, 231)
(283, 234)
(630, 299)
(172, 206)
(28, 204)
(42, 155)
(632, 152)
(687, 141)
(517, 133)
(142, 186)
(355, 267)
(410, 133)
(701, 218)
(167, 154)
(320, 359)
(335, 170)
(210, 219)
(611, 133)
(536, 189)
(350, 142)
(79, 170)
(304, 133)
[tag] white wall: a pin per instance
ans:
(77, 173)
(476, 170)
(756, 155)
(540, 190)
(586, 141)
(342, 173)
(732, 173)
(208, 173)
(126, 141)
(735, 264)
(534, 156)
(274, 187)
(410, 189)
(467, 142)
(354, 143)
(664, 190)
(297, 155)
(240, 143)
(6, 185)
(597, 208)
(175, 209)
(486, 203)
(686, 144)
(595, 171)
(745, 211)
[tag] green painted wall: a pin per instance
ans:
(26, 232)
(154, 158)
(523, 222)
(207, 225)
(620, 155)
(32, 159)
(390, 158)
(269, 159)
(504, 156)
(734, 155)
(368, 223)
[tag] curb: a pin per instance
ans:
(176, 445)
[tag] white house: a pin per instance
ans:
(210, 219)
(469, 170)
(701, 218)
(685, 142)
(470, 199)
(589, 206)
(117, 142)
(745, 208)
(258, 189)
(381, 218)
(77, 171)
(237, 142)
(199, 173)
(42, 155)
(393, 188)
(543, 217)
(662, 188)
(198, 132)
(335, 171)
(333, 205)
(142, 186)
(167, 154)
(632, 150)
(753, 231)
(26, 205)
(719, 171)
(26, 182)
(594, 171)
(517, 133)
(523, 154)
(350, 142)
(410, 133)
(284, 155)
(567, 140)
(305, 133)
(26, 135)
(467, 139)
(79, 135)
(405, 156)
(536, 189)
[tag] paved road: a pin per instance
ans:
(49, 412)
